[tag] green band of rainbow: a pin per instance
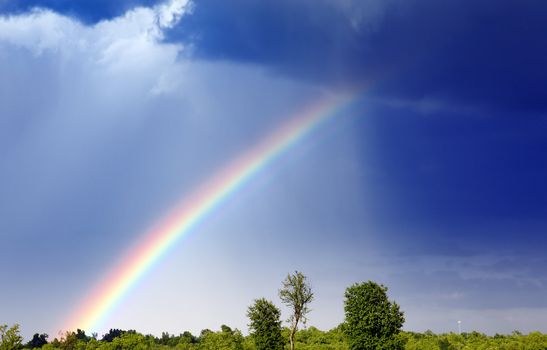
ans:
(194, 209)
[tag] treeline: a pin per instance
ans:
(306, 339)
(474, 340)
(372, 322)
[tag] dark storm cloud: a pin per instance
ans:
(88, 11)
(449, 168)
(471, 53)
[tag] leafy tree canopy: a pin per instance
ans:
(372, 321)
(10, 339)
(265, 326)
(296, 294)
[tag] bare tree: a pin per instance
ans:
(296, 294)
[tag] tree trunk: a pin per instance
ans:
(291, 336)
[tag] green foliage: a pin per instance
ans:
(10, 339)
(372, 321)
(135, 341)
(112, 334)
(475, 341)
(225, 339)
(296, 294)
(37, 341)
(72, 341)
(265, 326)
(307, 339)
(315, 339)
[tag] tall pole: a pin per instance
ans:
(459, 327)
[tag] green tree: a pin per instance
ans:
(265, 326)
(226, 339)
(112, 334)
(372, 321)
(72, 341)
(296, 294)
(10, 339)
(187, 338)
(37, 341)
(132, 341)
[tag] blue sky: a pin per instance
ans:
(431, 183)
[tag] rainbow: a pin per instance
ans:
(91, 314)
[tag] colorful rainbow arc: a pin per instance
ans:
(194, 209)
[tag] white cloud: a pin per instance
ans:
(170, 13)
(130, 43)
(38, 31)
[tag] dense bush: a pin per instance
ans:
(307, 339)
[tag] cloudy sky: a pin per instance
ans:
(432, 182)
